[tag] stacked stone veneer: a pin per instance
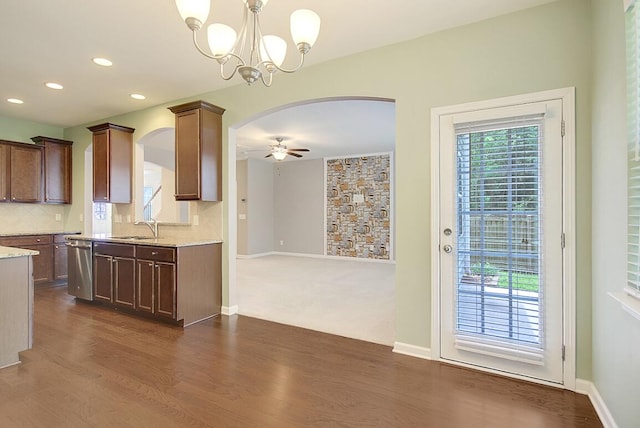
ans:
(359, 229)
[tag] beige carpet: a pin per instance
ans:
(344, 297)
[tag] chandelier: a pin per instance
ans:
(250, 53)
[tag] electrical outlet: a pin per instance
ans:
(281, 242)
(81, 217)
(58, 217)
(196, 220)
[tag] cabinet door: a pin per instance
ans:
(100, 166)
(145, 301)
(165, 274)
(124, 278)
(102, 277)
(60, 261)
(188, 155)
(26, 174)
(4, 173)
(57, 173)
(41, 263)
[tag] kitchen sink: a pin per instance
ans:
(134, 238)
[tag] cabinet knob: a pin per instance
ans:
(38, 240)
(150, 264)
(154, 253)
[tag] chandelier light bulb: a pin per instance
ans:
(305, 26)
(221, 39)
(274, 49)
(197, 9)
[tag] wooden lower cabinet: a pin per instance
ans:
(114, 268)
(156, 285)
(60, 258)
(182, 284)
(43, 261)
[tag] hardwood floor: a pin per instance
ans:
(91, 366)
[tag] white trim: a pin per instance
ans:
(567, 95)
(345, 258)
(316, 256)
(229, 310)
(628, 303)
(412, 350)
(324, 201)
(254, 256)
(588, 388)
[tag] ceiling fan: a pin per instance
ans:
(280, 151)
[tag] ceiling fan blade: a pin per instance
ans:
(270, 154)
(298, 150)
(294, 154)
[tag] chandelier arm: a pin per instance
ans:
(202, 51)
(269, 64)
(284, 70)
(267, 83)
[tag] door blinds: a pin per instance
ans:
(499, 280)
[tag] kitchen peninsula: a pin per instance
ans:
(16, 303)
(169, 279)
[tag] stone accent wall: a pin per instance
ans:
(359, 207)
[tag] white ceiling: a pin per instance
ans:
(54, 40)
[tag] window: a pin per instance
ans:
(630, 298)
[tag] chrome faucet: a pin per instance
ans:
(153, 225)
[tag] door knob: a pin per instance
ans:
(447, 248)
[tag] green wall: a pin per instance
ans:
(616, 335)
(543, 48)
(23, 130)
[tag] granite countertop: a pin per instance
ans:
(11, 252)
(160, 241)
(31, 233)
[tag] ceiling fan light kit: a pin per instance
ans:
(264, 53)
(280, 152)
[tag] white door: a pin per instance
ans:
(501, 239)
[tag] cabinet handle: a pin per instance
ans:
(38, 240)
(150, 264)
(154, 253)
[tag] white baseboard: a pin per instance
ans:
(588, 388)
(254, 256)
(412, 350)
(230, 310)
(323, 256)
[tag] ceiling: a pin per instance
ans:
(151, 48)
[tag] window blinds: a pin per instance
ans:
(499, 281)
(632, 24)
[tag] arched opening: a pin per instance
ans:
(298, 262)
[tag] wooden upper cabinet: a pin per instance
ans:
(57, 169)
(198, 151)
(112, 163)
(25, 162)
(4, 173)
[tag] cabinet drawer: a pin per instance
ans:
(158, 254)
(117, 250)
(17, 241)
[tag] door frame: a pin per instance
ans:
(567, 95)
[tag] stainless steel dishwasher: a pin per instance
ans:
(80, 263)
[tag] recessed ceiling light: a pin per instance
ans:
(15, 101)
(138, 96)
(102, 61)
(53, 85)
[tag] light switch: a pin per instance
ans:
(196, 220)
(242, 216)
(58, 217)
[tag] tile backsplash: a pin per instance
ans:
(36, 218)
